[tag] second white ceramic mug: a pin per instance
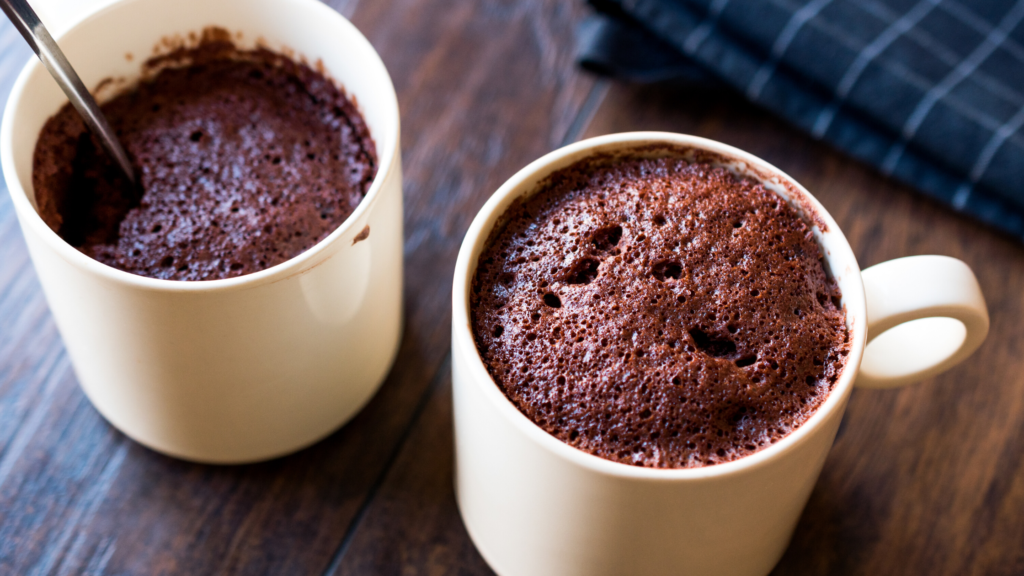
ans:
(239, 369)
(535, 506)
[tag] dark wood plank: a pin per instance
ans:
(413, 526)
(926, 480)
(76, 496)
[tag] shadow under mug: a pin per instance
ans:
(535, 506)
(239, 369)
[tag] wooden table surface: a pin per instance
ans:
(925, 480)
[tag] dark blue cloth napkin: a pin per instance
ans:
(929, 91)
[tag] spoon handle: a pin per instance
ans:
(27, 22)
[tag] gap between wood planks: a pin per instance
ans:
(595, 97)
(421, 406)
(586, 113)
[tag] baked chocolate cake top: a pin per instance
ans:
(246, 160)
(658, 313)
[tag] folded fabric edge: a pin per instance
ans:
(621, 49)
(799, 103)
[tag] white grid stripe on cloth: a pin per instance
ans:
(987, 46)
(947, 56)
(979, 24)
(789, 32)
(908, 75)
(927, 67)
(869, 53)
(700, 33)
(992, 146)
(961, 195)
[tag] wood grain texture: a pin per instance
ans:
(929, 479)
(413, 526)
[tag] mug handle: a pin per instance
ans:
(926, 314)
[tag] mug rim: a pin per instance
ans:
(29, 215)
(525, 181)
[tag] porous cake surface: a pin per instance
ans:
(246, 159)
(658, 313)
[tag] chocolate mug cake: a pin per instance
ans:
(658, 313)
(245, 159)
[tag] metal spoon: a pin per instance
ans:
(27, 22)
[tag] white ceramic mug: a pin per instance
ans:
(535, 506)
(239, 369)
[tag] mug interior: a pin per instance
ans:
(110, 46)
(839, 258)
